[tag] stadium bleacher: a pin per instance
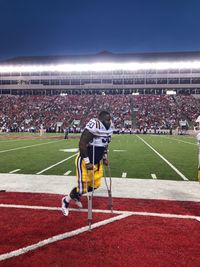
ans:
(62, 92)
(150, 112)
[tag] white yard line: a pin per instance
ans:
(124, 174)
(23, 147)
(15, 171)
(67, 173)
(69, 150)
(178, 140)
(163, 158)
(60, 237)
(153, 176)
(15, 140)
(50, 167)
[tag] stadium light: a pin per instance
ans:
(135, 93)
(63, 94)
(170, 92)
(133, 66)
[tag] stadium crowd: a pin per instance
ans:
(142, 112)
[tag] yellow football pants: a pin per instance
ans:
(199, 176)
(85, 177)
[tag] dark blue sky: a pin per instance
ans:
(72, 27)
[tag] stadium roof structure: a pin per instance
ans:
(105, 56)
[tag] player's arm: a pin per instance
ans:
(86, 137)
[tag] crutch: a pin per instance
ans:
(109, 187)
(90, 194)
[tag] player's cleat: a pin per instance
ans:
(78, 203)
(65, 206)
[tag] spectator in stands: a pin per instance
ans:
(27, 113)
(66, 132)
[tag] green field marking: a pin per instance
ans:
(138, 160)
(179, 140)
(163, 158)
(126, 154)
(56, 164)
(182, 155)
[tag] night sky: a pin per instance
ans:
(73, 27)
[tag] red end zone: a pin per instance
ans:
(140, 238)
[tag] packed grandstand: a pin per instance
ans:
(150, 92)
(130, 113)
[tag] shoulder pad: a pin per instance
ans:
(92, 126)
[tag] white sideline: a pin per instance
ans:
(60, 237)
(50, 167)
(163, 158)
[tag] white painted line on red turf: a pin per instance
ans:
(163, 158)
(67, 173)
(124, 174)
(50, 167)
(153, 176)
(118, 212)
(81, 230)
(27, 207)
(15, 171)
(55, 208)
(23, 147)
(59, 237)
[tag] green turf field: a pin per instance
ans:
(131, 156)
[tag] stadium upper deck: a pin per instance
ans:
(148, 73)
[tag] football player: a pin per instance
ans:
(93, 153)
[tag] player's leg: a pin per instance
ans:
(81, 188)
(76, 196)
(98, 174)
